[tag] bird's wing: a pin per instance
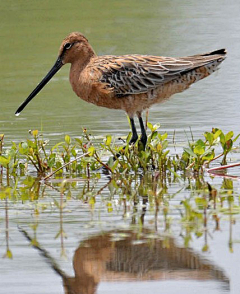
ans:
(134, 74)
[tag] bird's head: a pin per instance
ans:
(74, 48)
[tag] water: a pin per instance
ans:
(160, 28)
(31, 33)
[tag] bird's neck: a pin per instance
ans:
(79, 64)
(81, 61)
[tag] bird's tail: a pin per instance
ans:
(203, 65)
(221, 52)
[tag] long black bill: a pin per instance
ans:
(58, 64)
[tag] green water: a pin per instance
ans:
(31, 33)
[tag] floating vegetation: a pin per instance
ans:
(138, 181)
(81, 155)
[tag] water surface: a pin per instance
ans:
(31, 33)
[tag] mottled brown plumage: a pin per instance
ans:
(132, 83)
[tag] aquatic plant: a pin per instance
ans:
(84, 154)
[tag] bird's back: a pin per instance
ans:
(149, 79)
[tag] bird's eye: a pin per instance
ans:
(68, 46)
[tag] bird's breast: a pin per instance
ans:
(87, 86)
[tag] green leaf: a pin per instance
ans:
(209, 137)
(79, 141)
(56, 146)
(74, 152)
(228, 145)
(108, 140)
(164, 136)
(114, 166)
(235, 139)
(216, 133)
(229, 135)
(164, 145)
(190, 152)
(4, 161)
(68, 139)
(208, 151)
(199, 147)
(156, 127)
(222, 139)
(201, 202)
(23, 148)
(51, 162)
(31, 143)
(91, 150)
(154, 135)
(150, 126)
(208, 155)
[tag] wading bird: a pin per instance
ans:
(132, 83)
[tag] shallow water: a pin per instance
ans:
(108, 246)
(31, 33)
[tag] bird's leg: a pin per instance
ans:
(134, 132)
(132, 140)
(143, 138)
(135, 135)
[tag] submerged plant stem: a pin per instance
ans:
(103, 164)
(51, 174)
(216, 157)
(223, 167)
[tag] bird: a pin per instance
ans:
(132, 82)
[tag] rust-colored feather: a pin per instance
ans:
(135, 74)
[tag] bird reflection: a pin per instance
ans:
(128, 255)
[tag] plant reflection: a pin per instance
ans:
(137, 197)
(8, 253)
